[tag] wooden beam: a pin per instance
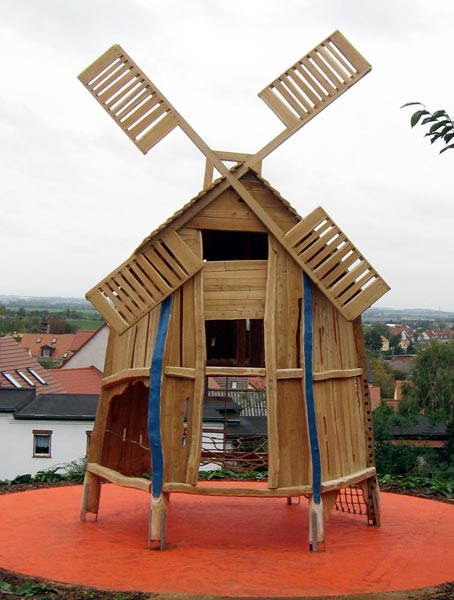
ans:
(337, 374)
(139, 483)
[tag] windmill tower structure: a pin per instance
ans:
(235, 284)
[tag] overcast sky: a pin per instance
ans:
(77, 197)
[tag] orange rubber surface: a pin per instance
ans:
(225, 546)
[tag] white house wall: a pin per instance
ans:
(68, 443)
(92, 354)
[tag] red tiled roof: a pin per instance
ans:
(14, 358)
(60, 343)
(213, 384)
(79, 381)
(81, 337)
(375, 395)
(64, 345)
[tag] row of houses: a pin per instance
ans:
(409, 337)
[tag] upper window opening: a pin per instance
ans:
(234, 245)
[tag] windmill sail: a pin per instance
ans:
(130, 98)
(315, 81)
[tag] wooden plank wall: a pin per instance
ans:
(229, 212)
(126, 443)
(290, 413)
(185, 355)
(234, 289)
(339, 409)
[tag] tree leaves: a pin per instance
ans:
(442, 127)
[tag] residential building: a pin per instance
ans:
(19, 370)
(39, 432)
(53, 346)
(91, 352)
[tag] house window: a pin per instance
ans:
(235, 343)
(7, 375)
(38, 340)
(25, 377)
(42, 443)
(36, 376)
(234, 245)
(45, 352)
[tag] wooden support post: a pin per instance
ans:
(316, 524)
(90, 496)
(158, 520)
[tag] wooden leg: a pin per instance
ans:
(158, 520)
(371, 494)
(90, 496)
(316, 525)
(329, 502)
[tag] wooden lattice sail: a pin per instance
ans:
(335, 265)
(144, 281)
(313, 82)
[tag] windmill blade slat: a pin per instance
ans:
(145, 120)
(134, 94)
(132, 114)
(110, 86)
(281, 110)
(296, 103)
(302, 85)
(330, 76)
(296, 90)
(329, 258)
(141, 283)
(323, 74)
(121, 87)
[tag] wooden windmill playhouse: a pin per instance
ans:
(235, 285)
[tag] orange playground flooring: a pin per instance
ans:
(225, 546)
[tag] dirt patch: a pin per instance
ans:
(15, 586)
(21, 586)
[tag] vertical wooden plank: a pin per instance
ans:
(195, 441)
(270, 361)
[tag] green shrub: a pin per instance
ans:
(75, 470)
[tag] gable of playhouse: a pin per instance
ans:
(174, 253)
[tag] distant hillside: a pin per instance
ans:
(371, 314)
(406, 314)
(44, 302)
